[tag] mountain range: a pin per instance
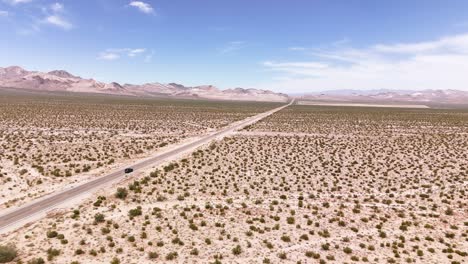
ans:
(63, 81)
(389, 96)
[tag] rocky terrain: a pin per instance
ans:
(62, 81)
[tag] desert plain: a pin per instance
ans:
(308, 184)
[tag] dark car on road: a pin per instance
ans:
(128, 170)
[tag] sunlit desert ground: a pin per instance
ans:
(309, 184)
(50, 141)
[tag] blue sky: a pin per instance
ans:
(290, 46)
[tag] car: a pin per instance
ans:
(128, 170)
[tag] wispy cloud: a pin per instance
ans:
(339, 43)
(293, 67)
(57, 7)
(108, 56)
(142, 6)
(232, 46)
(435, 64)
(115, 54)
(296, 48)
(15, 2)
(55, 16)
(58, 21)
(135, 52)
(149, 56)
(51, 15)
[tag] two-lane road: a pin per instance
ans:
(35, 208)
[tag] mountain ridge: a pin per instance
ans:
(61, 80)
(448, 96)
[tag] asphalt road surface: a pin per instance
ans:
(52, 201)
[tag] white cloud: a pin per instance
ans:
(115, 54)
(142, 6)
(135, 52)
(51, 14)
(455, 44)
(437, 64)
(108, 56)
(232, 47)
(4, 13)
(57, 7)
(58, 21)
(15, 2)
(54, 16)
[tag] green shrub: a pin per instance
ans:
(115, 260)
(121, 193)
(135, 212)
(52, 253)
(51, 234)
(153, 255)
(347, 250)
(171, 256)
(7, 253)
(194, 252)
(237, 250)
(99, 218)
(36, 261)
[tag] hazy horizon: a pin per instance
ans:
(299, 47)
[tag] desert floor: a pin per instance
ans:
(50, 141)
(309, 184)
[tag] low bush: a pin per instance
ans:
(7, 253)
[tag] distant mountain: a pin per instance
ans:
(59, 80)
(425, 96)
